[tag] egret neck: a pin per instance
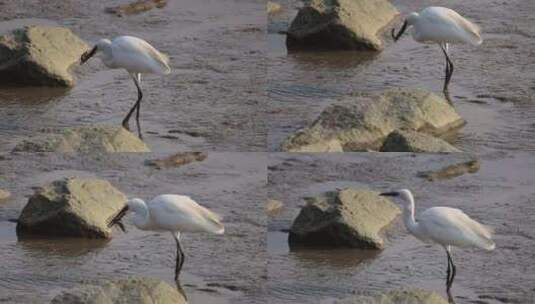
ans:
(106, 55)
(141, 213)
(408, 216)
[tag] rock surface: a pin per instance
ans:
(324, 146)
(135, 7)
(4, 194)
(451, 171)
(408, 296)
(341, 24)
(133, 290)
(413, 141)
(273, 7)
(72, 207)
(347, 218)
(364, 123)
(177, 160)
(95, 139)
(39, 56)
(273, 207)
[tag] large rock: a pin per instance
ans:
(408, 296)
(72, 207)
(95, 139)
(363, 122)
(39, 55)
(341, 24)
(347, 218)
(133, 290)
(413, 141)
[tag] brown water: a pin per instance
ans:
(232, 184)
(216, 88)
(492, 86)
(501, 194)
(222, 65)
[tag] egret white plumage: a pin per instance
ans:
(444, 226)
(442, 26)
(173, 213)
(137, 57)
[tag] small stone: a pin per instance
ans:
(177, 160)
(135, 7)
(274, 207)
(273, 7)
(4, 194)
(451, 171)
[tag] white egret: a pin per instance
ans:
(442, 26)
(173, 213)
(137, 57)
(444, 226)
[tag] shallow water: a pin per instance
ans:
(215, 89)
(239, 90)
(232, 184)
(492, 86)
(501, 195)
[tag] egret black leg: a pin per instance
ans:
(138, 108)
(136, 105)
(451, 275)
(449, 67)
(449, 271)
(138, 123)
(182, 258)
(179, 258)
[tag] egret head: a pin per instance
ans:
(136, 205)
(102, 45)
(411, 19)
(403, 196)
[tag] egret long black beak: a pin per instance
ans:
(401, 31)
(86, 55)
(389, 194)
(116, 219)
